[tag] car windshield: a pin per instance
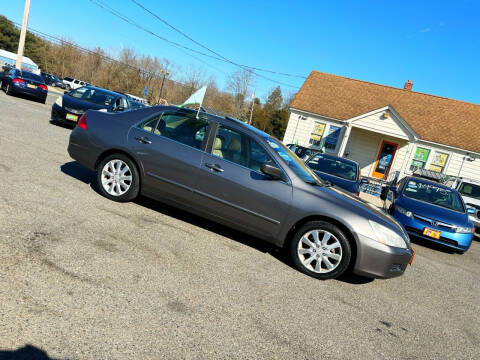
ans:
(293, 162)
(470, 190)
(95, 96)
(433, 194)
(31, 76)
(334, 166)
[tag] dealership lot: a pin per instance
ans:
(82, 277)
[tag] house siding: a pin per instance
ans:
(377, 122)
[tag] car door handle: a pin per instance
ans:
(214, 167)
(143, 140)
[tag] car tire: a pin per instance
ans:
(118, 178)
(320, 249)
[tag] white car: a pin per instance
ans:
(470, 192)
(74, 83)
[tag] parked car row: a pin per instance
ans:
(14, 81)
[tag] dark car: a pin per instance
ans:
(301, 151)
(52, 80)
(23, 82)
(237, 175)
(430, 211)
(69, 107)
(339, 171)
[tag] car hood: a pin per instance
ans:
(363, 207)
(470, 200)
(433, 211)
(349, 185)
(81, 105)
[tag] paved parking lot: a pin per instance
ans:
(82, 277)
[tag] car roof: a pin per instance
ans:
(337, 158)
(471, 181)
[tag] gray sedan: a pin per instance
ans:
(232, 173)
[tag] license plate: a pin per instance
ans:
(413, 257)
(432, 233)
(72, 117)
(31, 86)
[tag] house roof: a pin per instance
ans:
(434, 118)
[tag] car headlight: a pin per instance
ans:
(59, 101)
(403, 211)
(387, 236)
(463, 230)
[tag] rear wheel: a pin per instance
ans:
(118, 178)
(320, 249)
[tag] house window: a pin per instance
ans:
(419, 159)
(331, 139)
(439, 161)
(317, 133)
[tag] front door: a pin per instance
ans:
(384, 159)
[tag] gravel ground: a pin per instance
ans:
(82, 277)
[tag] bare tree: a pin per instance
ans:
(240, 84)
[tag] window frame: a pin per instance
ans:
(213, 133)
(204, 143)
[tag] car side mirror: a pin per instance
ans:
(272, 171)
(364, 181)
(470, 210)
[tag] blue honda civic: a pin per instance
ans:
(430, 211)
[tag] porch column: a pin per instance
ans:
(346, 136)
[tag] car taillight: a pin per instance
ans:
(43, 87)
(82, 122)
(18, 81)
(357, 193)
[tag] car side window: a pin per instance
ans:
(239, 148)
(184, 128)
(150, 125)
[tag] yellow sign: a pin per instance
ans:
(317, 132)
(440, 159)
(436, 168)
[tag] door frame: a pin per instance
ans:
(375, 174)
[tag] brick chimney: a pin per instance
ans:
(408, 85)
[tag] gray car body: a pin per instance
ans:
(238, 197)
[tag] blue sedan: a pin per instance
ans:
(23, 82)
(339, 171)
(431, 211)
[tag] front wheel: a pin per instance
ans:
(321, 250)
(118, 178)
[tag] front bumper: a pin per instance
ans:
(59, 114)
(414, 228)
(381, 261)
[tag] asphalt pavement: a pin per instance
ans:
(82, 277)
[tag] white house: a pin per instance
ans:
(7, 57)
(385, 128)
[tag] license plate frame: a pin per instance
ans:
(434, 234)
(71, 117)
(31, 86)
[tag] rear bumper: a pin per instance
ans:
(82, 150)
(37, 94)
(377, 260)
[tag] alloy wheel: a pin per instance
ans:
(319, 251)
(116, 177)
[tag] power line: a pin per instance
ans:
(132, 22)
(206, 48)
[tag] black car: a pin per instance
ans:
(52, 80)
(69, 107)
(23, 82)
(301, 151)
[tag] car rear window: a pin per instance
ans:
(67, 79)
(470, 190)
(95, 96)
(337, 167)
(433, 194)
(31, 76)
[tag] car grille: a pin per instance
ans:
(420, 233)
(74, 111)
(432, 222)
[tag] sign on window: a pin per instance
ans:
(420, 158)
(332, 137)
(439, 161)
(317, 133)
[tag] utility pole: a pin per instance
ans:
(165, 73)
(253, 103)
(23, 33)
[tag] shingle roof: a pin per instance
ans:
(433, 118)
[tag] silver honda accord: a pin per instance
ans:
(234, 174)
